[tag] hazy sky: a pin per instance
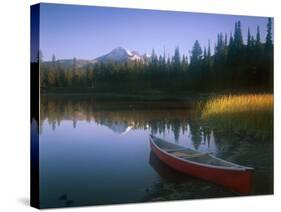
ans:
(86, 32)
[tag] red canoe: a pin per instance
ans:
(203, 165)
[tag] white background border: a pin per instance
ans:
(14, 112)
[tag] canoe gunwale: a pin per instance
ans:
(239, 168)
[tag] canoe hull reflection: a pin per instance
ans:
(232, 176)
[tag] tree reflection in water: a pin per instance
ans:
(121, 117)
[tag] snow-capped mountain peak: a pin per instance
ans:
(120, 54)
(120, 51)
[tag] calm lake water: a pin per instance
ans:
(97, 152)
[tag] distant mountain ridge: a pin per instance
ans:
(120, 54)
(117, 55)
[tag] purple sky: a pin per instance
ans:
(86, 32)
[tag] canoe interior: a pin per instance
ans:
(191, 155)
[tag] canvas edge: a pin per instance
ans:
(34, 104)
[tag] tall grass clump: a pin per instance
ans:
(252, 113)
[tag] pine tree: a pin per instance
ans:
(184, 63)
(252, 41)
(231, 40)
(205, 54)
(177, 59)
(238, 37)
(209, 56)
(225, 40)
(269, 54)
(209, 49)
(249, 37)
(74, 72)
(51, 76)
(53, 59)
(196, 53)
(153, 61)
(269, 42)
(220, 44)
(258, 37)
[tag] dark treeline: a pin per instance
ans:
(234, 64)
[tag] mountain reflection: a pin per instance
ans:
(173, 121)
(121, 117)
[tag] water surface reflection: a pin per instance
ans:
(94, 152)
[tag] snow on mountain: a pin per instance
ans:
(118, 127)
(146, 56)
(120, 54)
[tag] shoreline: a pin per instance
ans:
(153, 95)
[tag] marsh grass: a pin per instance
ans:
(251, 113)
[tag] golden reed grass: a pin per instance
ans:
(251, 113)
(238, 103)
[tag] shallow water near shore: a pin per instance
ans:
(97, 152)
